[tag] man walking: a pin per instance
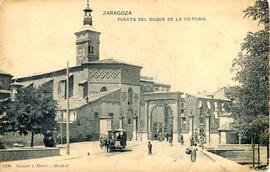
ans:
(149, 148)
(182, 139)
(171, 140)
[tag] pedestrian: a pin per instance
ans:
(101, 142)
(149, 148)
(182, 139)
(170, 140)
(107, 144)
(193, 153)
(167, 136)
(191, 141)
(160, 137)
(202, 141)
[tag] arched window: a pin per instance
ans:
(91, 49)
(103, 89)
(130, 96)
(62, 89)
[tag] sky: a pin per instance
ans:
(38, 36)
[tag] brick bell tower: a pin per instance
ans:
(87, 40)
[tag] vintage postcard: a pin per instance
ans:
(134, 85)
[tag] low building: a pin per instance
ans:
(209, 117)
(5, 80)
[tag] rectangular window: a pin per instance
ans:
(216, 106)
(85, 89)
(70, 85)
(111, 115)
(96, 115)
(200, 104)
(208, 105)
(129, 121)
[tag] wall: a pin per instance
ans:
(239, 156)
(86, 126)
(128, 111)
(226, 164)
(114, 108)
(105, 126)
(22, 154)
(104, 73)
(94, 88)
(214, 139)
(14, 137)
(130, 75)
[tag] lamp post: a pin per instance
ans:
(61, 127)
(121, 117)
(67, 96)
(135, 126)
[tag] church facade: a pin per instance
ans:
(110, 94)
(103, 94)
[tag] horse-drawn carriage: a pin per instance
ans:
(116, 140)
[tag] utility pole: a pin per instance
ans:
(67, 96)
(61, 127)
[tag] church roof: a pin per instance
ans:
(87, 28)
(77, 102)
(146, 79)
(2, 72)
(111, 61)
(73, 68)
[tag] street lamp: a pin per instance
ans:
(67, 93)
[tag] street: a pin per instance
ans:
(87, 156)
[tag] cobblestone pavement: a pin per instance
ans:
(134, 159)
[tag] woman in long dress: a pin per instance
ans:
(193, 152)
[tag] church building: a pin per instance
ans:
(107, 94)
(104, 94)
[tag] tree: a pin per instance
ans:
(33, 112)
(250, 107)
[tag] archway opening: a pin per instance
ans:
(161, 122)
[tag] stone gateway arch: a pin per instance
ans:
(167, 120)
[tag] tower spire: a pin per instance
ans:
(87, 15)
